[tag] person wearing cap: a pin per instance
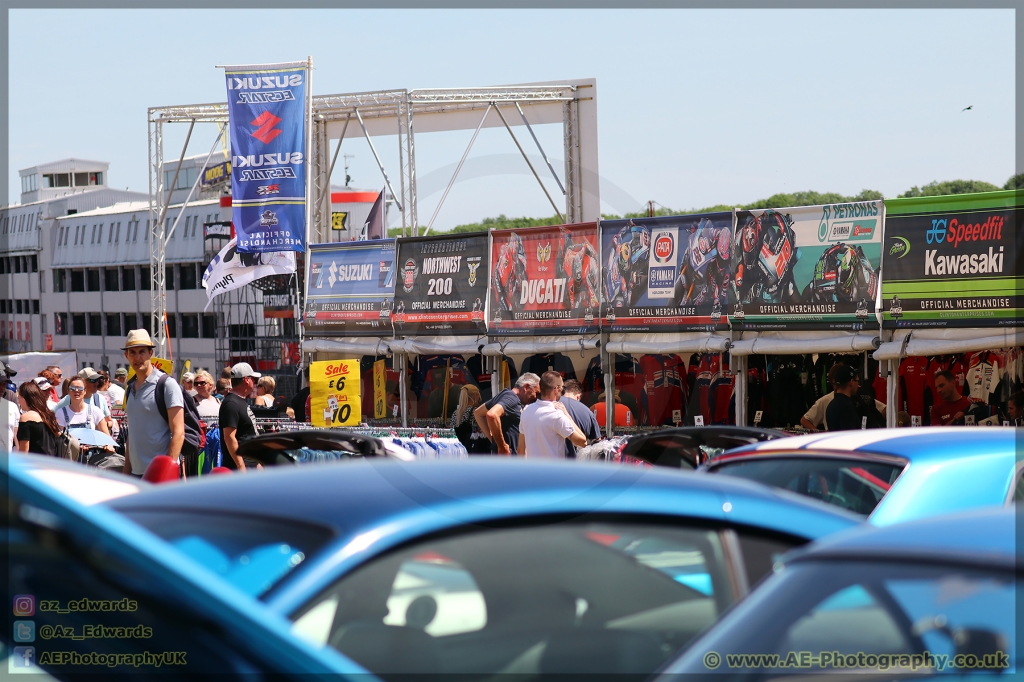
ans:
(237, 422)
(149, 434)
(815, 416)
(841, 414)
(120, 377)
(186, 383)
(113, 393)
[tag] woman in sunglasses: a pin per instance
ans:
(206, 404)
(79, 414)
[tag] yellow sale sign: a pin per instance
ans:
(335, 395)
(379, 380)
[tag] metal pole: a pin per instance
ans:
(177, 170)
(299, 330)
(401, 175)
(532, 170)
(458, 168)
(330, 172)
(199, 178)
(545, 156)
(375, 156)
(400, 357)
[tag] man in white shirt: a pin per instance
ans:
(13, 417)
(545, 424)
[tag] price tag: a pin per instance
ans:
(863, 422)
(1006, 423)
(335, 395)
(757, 417)
(677, 417)
(915, 420)
(969, 420)
(698, 420)
(394, 410)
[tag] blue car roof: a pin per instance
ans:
(984, 537)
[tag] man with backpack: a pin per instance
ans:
(151, 431)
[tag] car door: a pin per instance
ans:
(588, 594)
(93, 593)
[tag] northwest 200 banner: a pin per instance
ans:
(545, 280)
(810, 267)
(666, 274)
(953, 261)
(441, 285)
(350, 288)
(268, 112)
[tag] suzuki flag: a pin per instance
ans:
(268, 108)
(232, 269)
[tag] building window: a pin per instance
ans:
(95, 324)
(145, 278)
(172, 325)
(60, 323)
(3, 307)
(209, 321)
(113, 324)
(190, 326)
(93, 279)
(81, 179)
(187, 276)
(110, 278)
(33, 263)
(17, 263)
(95, 178)
(26, 305)
(35, 306)
(146, 322)
(3, 266)
(128, 278)
(60, 280)
(78, 324)
(17, 307)
(92, 239)
(169, 277)
(56, 180)
(77, 280)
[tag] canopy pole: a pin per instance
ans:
(532, 169)
(400, 357)
(458, 168)
(379, 164)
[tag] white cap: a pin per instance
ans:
(242, 370)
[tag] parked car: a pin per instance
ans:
(688, 447)
(489, 565)
(888, 475)
(922, 598)
(94, 593)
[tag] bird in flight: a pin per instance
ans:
(966, 109)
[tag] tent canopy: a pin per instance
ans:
(798, 342)
(540, 344)
(440, 345)
(684, 342)
(925, 342)
(351, 345)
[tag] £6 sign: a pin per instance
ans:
(335, 395)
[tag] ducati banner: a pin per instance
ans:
(666, 274)
(953, 261)
(545, 280)
(268, 110)
(809, 267)
(441, 285)
(350, 288)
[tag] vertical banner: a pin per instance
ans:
(268, 111)
(379, 384)
(545, 280)
(807, 267)
(335, 393)
(954, 261)
(667, 274)
(441, 285)
(350, 288)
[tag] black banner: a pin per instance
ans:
(441, 285)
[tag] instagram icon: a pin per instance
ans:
(24, 605)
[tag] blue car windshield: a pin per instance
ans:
(253, 553)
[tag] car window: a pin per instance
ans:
(254, 553)
(566, 597)
(852, 484)
(1018, 489)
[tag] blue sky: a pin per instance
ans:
(696, 107)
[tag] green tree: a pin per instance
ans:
(1015, 182)
(935, 188)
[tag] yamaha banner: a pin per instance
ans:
(350, 288)
(268, 110)
(441, 287)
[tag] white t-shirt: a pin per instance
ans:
(13, 417)
(545, 428)
(208, 408)
(816, 415)
(114, 395)
(89, 417)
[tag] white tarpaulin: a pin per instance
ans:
(541, 344)
(439, 345)
(353, 346)
(226, 271)
(696, 342)
(798, 342)
(925, 342)
(28, 365)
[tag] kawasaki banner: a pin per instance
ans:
(268, 111)
(666, 274)
(810, 267)
(953, 261)
(350, 288)
(441, 285)
(545, 280)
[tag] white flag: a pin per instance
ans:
(230, 270)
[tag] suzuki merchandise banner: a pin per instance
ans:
(666, 274)
(954, 261)
(808, 267)
(350, 288)
(545, 280)
(441, 285)
(268, 113)
(334, 392)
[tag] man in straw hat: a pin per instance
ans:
(149, 434)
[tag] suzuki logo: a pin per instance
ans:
(266, 131)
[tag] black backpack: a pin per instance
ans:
(194, 431)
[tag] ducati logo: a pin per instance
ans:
(472, 264)
(543, 252)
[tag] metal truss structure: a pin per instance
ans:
(390, 112)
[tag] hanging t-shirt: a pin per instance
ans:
(664, 388)
(913, 383)
(982, 375)
(549, 362)
(623, 416)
